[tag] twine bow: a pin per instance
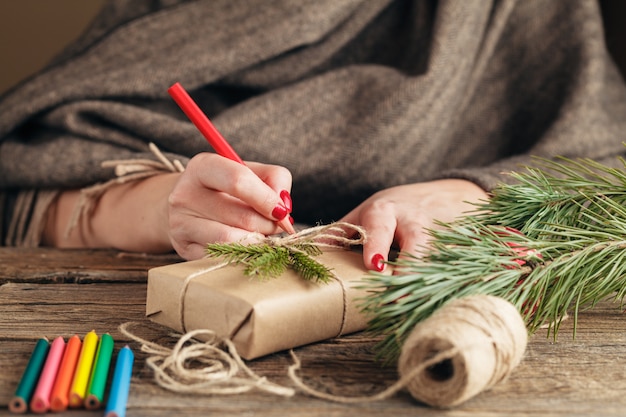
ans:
(324, 236)
(273, 255)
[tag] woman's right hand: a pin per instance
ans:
(213, 200)
(219, 200)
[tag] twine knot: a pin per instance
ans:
(333, 235)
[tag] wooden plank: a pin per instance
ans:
(584, 376)
(35, 310)
(47, 265)
(38, 310)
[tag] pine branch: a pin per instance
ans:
(557, 192)
(270, 261)
(571, 255)
(309, 268)
(268, 264)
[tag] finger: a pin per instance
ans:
(380, 223)
(240, 182)
(279, 179)
(190, 237)
(276, 177)
(189, 199)
(411, 237)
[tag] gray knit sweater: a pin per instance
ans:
(351, 95)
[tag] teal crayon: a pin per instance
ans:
(99, 373)
(120, 386)
(26, 387)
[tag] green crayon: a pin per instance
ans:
(99, 373)
(26, 387)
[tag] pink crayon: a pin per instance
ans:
(40, 402)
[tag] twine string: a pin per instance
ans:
(211, 367)
(334, 235)
(498, 339)
(126, 170)
(185, 286)
(495, 328)
(387, 393)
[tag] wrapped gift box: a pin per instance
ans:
(259, 316)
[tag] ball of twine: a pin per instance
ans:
(470, 344)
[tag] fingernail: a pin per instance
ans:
(286, 197)
(378, 262)
(280, 212)
(291, 220)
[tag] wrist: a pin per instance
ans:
(131, 216)
(134, 216)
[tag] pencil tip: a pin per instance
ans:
(286, 225)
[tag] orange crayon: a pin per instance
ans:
(59, 398)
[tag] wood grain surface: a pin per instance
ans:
(46, 292)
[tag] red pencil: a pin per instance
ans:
(211, 134)
(202, 122)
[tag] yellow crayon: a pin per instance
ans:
(83, 370)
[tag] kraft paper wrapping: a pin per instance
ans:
(259, 316)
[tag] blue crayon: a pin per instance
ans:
(118, 396)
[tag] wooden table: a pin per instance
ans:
(51, 293)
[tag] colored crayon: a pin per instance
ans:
(24, 391)
(59, 398)
(99, 373)
(40, 403)
(120, 386)
(83, 370)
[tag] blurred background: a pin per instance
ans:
(33, 31)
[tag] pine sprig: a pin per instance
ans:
(309, 268)
(570, 256)
(267, 261)
(557, 192)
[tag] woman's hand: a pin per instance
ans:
(214, 200)
(400, 214)
(219, 200)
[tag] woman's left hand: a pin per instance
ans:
(400, 215)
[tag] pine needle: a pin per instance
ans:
(267, 261)
(573, 218)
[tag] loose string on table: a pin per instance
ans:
(494, 326)
(204, 367)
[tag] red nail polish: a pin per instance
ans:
(280, 212)
(378, 262)
(291, 220)
(286, 197)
